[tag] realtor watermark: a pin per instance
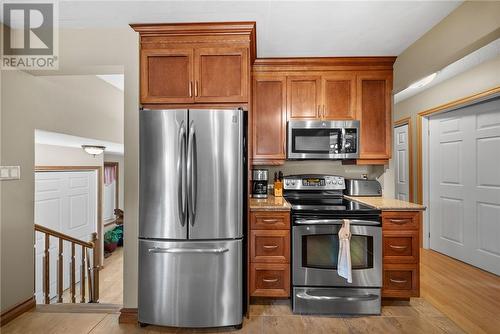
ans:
(30, 39)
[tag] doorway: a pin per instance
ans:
(462, 182)
(403, 160)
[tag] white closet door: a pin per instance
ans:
(464, 175)
(402, 162)
(65, 202)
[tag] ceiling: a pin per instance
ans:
(284, 28)
(62, 139)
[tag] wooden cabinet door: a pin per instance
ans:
(167, 76)
(339, 99)
(221, 74)
(303, 97)
(269, 117)
(374, 112)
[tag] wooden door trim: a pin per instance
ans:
(222, 51)
(144, 76)
(398, 123)
(449, 106)
(100, 178)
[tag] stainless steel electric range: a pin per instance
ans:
(318, 210)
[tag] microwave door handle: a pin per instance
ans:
(342, 149)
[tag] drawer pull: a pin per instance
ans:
(399, 221)
(270, 221)
(270, 280)
(398, 247)
(399, 281)
(270, 246)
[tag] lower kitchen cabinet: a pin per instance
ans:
(401, 235)
(269, 253)
(269, 280)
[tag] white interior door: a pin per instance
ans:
(402, 162)
(65, 202)
(464, 184)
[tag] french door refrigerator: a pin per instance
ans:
(191, 213)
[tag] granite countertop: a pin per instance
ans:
(270, 203)
(384, 203)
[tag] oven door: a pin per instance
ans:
(315, 256)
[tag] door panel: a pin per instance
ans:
(167, 76)
(269, 117)
(402, 163)
(339, 96)
(464, 150)
(221, 74)
(374, 112)
(303, 97)
(190, 284)
(215, 159)
(162, 186)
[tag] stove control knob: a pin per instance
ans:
(328, 182)
(334, 182)
(341, 182)
(287, 182)
(293, 182)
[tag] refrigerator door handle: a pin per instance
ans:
(192, 171)
(181, 170)
(188, 250)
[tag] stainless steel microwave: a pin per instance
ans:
(330, 140)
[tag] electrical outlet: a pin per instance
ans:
(10, 173)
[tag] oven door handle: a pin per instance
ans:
(306, 296)
(335, 222)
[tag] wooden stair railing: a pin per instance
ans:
(92, 269)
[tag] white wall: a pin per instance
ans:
(52, 155)
(46, 103)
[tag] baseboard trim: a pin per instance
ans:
(17, 310)
(128, 316)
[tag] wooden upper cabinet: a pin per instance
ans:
(221, 74)
(167, 76)
(374, 112)
(269, 118)
(303, 97)
(339, 96)
(206, 63)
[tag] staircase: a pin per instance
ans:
(89, 268)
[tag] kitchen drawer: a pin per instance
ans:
(400, 246)
(270, 246)
(270, 220)
(401, 280)
(400, 220)
(269, 280)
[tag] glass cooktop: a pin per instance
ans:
(329, 205)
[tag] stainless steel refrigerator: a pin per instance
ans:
(191, 213)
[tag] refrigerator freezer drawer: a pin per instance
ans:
(190, 284)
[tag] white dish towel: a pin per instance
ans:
(344, 261)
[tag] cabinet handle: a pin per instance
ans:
(196, 88)
(397, 280)
(319, 111)
(398, 247)
(190, 89)
(270, 221)
(270, 246)
(399, 221)
(324, 111)
(270, 280)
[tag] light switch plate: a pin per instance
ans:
(10, 173)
